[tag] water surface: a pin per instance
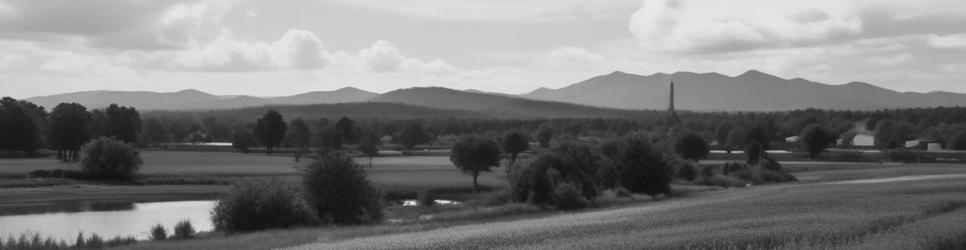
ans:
(107, 219)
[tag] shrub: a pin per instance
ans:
(686, 172)
(623, 193)
(428, 198)
(721, 181)
(904, 156)
(643, 168)
(183, 230)
(253, 206)
(568, 197)
(770, 176)
(107, 158)
(158, 233)
(768, 163)
(691, 146)
(340, 193)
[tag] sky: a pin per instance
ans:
(284, 47)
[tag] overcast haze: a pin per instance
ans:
(270, 48)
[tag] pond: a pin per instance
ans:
(107, 219)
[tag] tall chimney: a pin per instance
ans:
(670, 106)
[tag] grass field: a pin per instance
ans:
(820, 212)
(927, 214)
(169, 175)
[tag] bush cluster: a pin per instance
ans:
(337, 188)
(571, 174)
(108, 158)
(260, 205)
(737, 174)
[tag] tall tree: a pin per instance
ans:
(515, 143)
(22, 125)
(241, 139)
(298, 137)
(474, 154)
(68, 130)
(270, 129)
(346, 128)
(369, 145)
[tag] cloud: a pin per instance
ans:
(720, 26)
(501, 10)
(953, 41)
(113, 24)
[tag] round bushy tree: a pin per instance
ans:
(253, 206)
(474, 154)
(336, 186)
(816, 139)
(643, 168)
(691, 146)
(108, 158)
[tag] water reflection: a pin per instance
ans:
(107, 219)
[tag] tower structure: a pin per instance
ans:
(672, 116)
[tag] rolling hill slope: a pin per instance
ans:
(750, 91)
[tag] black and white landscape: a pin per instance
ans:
(529, 124)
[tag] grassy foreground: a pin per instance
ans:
(926, 214)
(905, 214)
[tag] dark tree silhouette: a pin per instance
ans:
(68, 130)
(759, 135)
(336, 186)
(21, 125)
(642, 167)
(369, 145)
(816, 139)
(691, 146)
(474, 154)
(413, 134)
(754, 152)
(958, 142)
(270, 129)
(297, 136)
(241, 139)
(123, 123)
(515, 143)
(346, 129)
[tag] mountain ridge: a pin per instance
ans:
(752, 90)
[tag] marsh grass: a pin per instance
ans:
(37, 241)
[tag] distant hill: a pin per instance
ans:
(496, 105)
(751, 91)
(196, 100)
(358, 110)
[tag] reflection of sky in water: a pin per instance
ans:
(65, 221)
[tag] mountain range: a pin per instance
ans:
(610, 95)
